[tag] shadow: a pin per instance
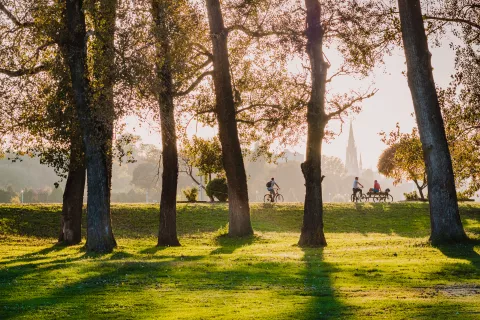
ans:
(152, 250)
(35, 255)
(317, 282)
(229, 244)
(120, 255)
(464, 251)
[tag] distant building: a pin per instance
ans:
(351, 160)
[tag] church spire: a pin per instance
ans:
(351, 161)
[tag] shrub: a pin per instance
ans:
(463, 196)
(191, 194)
(15, 200)
(218, 188)
(411, 196)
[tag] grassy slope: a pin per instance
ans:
(378, 264)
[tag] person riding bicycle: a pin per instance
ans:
(376, 187)
(355, 188)
(270, 185)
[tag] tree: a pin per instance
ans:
(239, 208)
(360, 49)
(403, 160)
(446, 225)
(94, 132)
(44, 119)
(205, 155)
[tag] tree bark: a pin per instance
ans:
(99, 231)
(103, 53)
(71, 223)
(239, 209)
(312, 234)
(446, 226)
(167, 233)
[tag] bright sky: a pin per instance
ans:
(390, 105)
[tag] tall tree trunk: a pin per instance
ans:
(167, 233)
(99, 231)
(312, 230)
(239, 209)
(446, 225)
(103, 53)
(71, 223)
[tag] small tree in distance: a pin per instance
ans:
(403, 159)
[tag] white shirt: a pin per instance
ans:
(355, 184)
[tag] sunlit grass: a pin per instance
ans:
(378, 264)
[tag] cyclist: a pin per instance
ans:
(355, 187)
(270, 185)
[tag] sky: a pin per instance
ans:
(391, 104)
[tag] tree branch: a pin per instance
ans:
(260, 33)
(253, 106)
(346, 106)
(13, 18)
(23, 72)
(457, 20)
(193, 85)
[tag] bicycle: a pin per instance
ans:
(355, 198)
(277, 197)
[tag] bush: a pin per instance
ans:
(191, 194)
(463, 196)
(218, 188)
(411, 196)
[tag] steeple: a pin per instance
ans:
(351, 139)
(351, 159)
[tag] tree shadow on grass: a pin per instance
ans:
(153, 250)
(317, 283)
(465, 251)
(229, 244)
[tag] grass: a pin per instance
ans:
(378, 264)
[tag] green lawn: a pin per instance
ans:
(378, 264)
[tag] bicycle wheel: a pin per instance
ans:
(389, 198)
(267, 198)
(365, 198)
(279, 198)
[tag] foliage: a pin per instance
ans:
(6, 195)
(191, 194)
(403, 159)
(146, 176)
(218, 188)
(411, 196)
(374, 250)
(204, 154)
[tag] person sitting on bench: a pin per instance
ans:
(376, 187)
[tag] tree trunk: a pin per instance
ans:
(71, 223)
(103, 53)
(312, 230)
(239, 209)
(446, 225)
(420, 189)
(99, 231)
(167, 233)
